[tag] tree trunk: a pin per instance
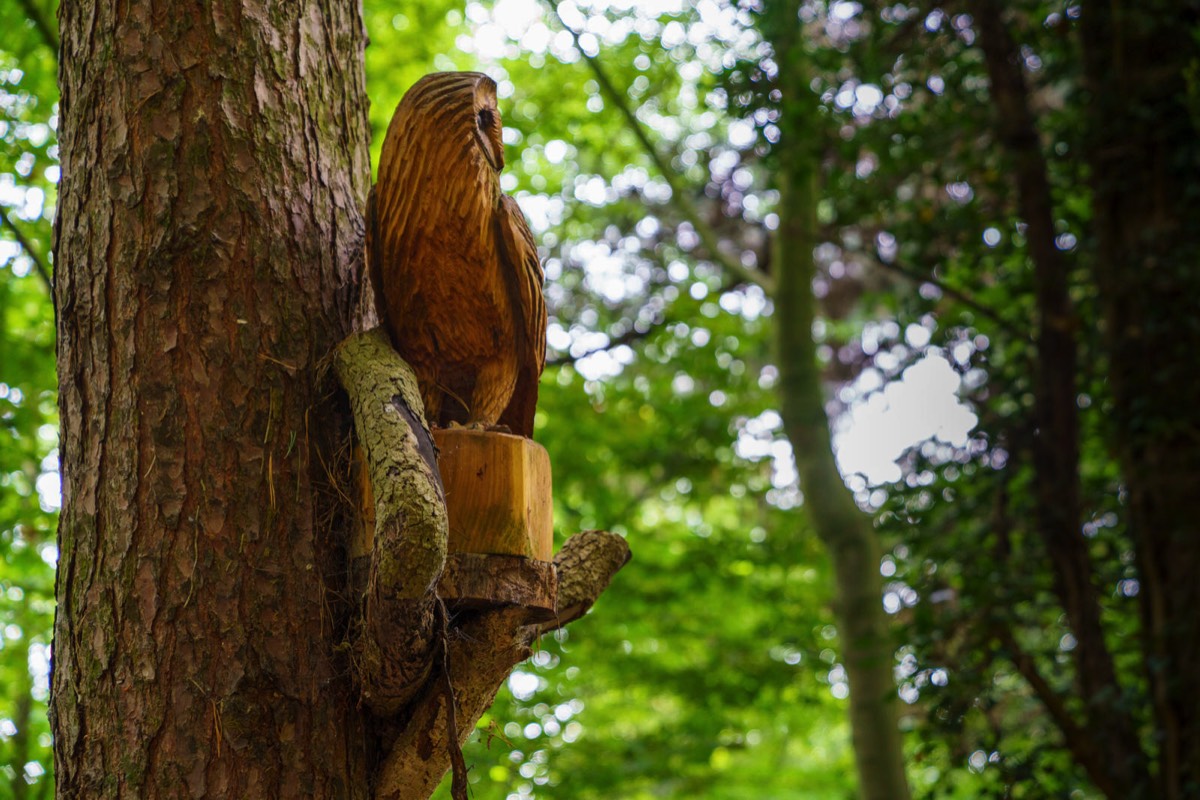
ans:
(1144, 160)
(1117, 762)
(867, 647)
(215, 165)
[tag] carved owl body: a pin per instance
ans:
(457, 278)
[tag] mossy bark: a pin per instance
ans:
(394, 638)
(410, 511)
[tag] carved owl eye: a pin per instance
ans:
(488, 135)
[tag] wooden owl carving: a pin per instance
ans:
(456, 273)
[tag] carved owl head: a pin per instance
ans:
(455, 116)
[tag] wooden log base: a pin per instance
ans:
(498, 493)
(478, 581)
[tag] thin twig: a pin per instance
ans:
(1078, 740)
(35, 15)
(679, 198)
(458, 766)
(958, 294)
(632, 335)
(38, 262)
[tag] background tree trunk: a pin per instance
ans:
(867, 647)
(214, 168)
(1140, 65)
(1117, 763)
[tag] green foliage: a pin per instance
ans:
(923, 256)
(28, 413)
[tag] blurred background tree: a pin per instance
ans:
(1005, 265)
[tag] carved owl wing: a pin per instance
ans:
(523, 278)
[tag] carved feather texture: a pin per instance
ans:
(457, 277)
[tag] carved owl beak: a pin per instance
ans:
(495, 160)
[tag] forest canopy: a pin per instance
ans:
(998, 205)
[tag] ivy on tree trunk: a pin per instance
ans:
(1142, 117)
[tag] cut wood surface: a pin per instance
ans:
(498, 493)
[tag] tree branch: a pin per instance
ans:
(1056, 446)
(1077, 739)
(960, 295)
(630, 336)
(38, 262)
(395, 638)
(45, 30)
(679, 198)
(482, 651)
(586, 565)
(410, 659)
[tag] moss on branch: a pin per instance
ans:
(394, 639)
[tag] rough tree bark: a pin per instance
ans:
(867, 646)
(208, 251)
(214, 162)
